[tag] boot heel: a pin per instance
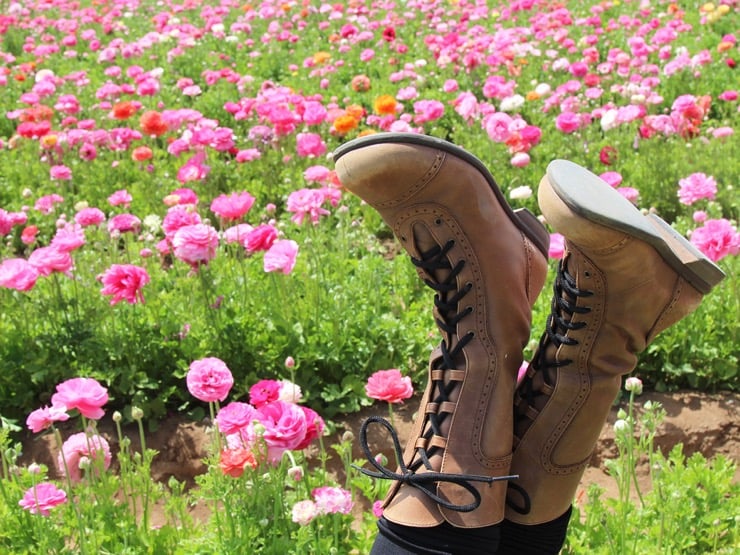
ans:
(692, 264)
(533, 229)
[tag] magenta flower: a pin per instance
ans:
(264, 391)
(43, 418)
(314, 427)
(79, 453)
(41, 498)
(47, 260)
(260, 238)
(716, 239)
(568, 122)
(89, 216)
(120, 198)
(285, 427)
(232, 207)
(281, 256)
(84, 394)
(125, 283)
(60, 173)
(123, 223)
(18, 274)
(234, 417)
(195, 244)
(389, 385)
(557, 246)
(332, 499)
(695, 187)
(614, 179)
(209, 379)
(310, 144)
(427, 110)
(179, 216)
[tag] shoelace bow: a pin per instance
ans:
(431, 260)
(559, 322)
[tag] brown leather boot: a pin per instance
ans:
(487, 265)
(624, 278)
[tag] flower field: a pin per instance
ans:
(173, 232)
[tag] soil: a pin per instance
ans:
(705, 423)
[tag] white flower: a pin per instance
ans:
(304, 512)
(620, 425)
(520, 193)
(512, 103)
(290, 392)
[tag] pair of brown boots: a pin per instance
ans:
(624, 277)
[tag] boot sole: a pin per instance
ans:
(592, 198)
(522, 218)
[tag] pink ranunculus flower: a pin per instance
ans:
(377, 508)
(303, 512)
(8, 220)
(183, 195)
(281, 256)
(41, 498)
(568, 122)
(124, 223)
(261, 238)
(237, 233)
(46, 204)
(284, 425)
(389, 385)
(716, 239)
(81, 451)
(195, 244)
(120, 197)
(235, 416)
(695, 187)
(18, 274)
(310, 144)
(557, 246)
(264, 391)
(614, 179)
(47, 260)
(125, 283)
(209, 379)
(68, 238)
(332, 499)
(89, 216)
(43, 418)
(232, 207)
(84, 394)
(306, 202)
(60, 172)
(314, 427)
(179, 216)
(630, 193)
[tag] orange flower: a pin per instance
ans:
(345, 123)
(141, 153)
(234, 461)
(152, 124)
(356, 111)
(48, 141)
(724, 46)
(385, 104)
(532, 95)
(366, 132)
(321, 57)
(123, 110)
(40, 112)
(360, 83)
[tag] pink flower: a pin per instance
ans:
(195, 244)
(331, 499)
(18, 274)
(314, 427)
(79, 452)
(378, 509)
(8, 220)
(310, 144)
(568, 122)
(45, 204)
(89, 216)
(237, 233)
(68, 238)
(209, 379)
(261, 238)
(42, 418)
(281, 256)
(520, 160)
(233, 206)
(264, 391)
(194, 169)
(60, 172)
(557, 246)
(630, 193)
(306, 202)
(84, 394)
(428, 110)
(716, 239)
(179, 216)
(123, 223)
(120, 197)
(235, 416)
(183, 195)
(285, 427)
(522, 372)
(389, 385)
(303, 512)
(125, 282)
(248, 155)
(47, 260)
(614, 179)
(41, 498)
(695, 187)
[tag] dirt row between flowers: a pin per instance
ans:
(704, 423)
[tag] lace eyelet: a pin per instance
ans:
(438, 221)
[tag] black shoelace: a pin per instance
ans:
(446, 300)
(563, 307)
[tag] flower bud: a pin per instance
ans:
(348, 437)
(117, 416)
(34, 468)
(621, 414)
(634, 385)
(381, 459)
(137, 413)
(295, 473)
(289, 362)
(621, 425)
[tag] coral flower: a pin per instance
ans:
(389, 385)
(123, 110)
(141, 154)
(385, 105)
(125, 282)
(152, 124)
(233, 462)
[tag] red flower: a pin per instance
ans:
(389, 34)
(608, 155)
(152, 123)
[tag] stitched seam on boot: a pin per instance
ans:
(430, 174)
